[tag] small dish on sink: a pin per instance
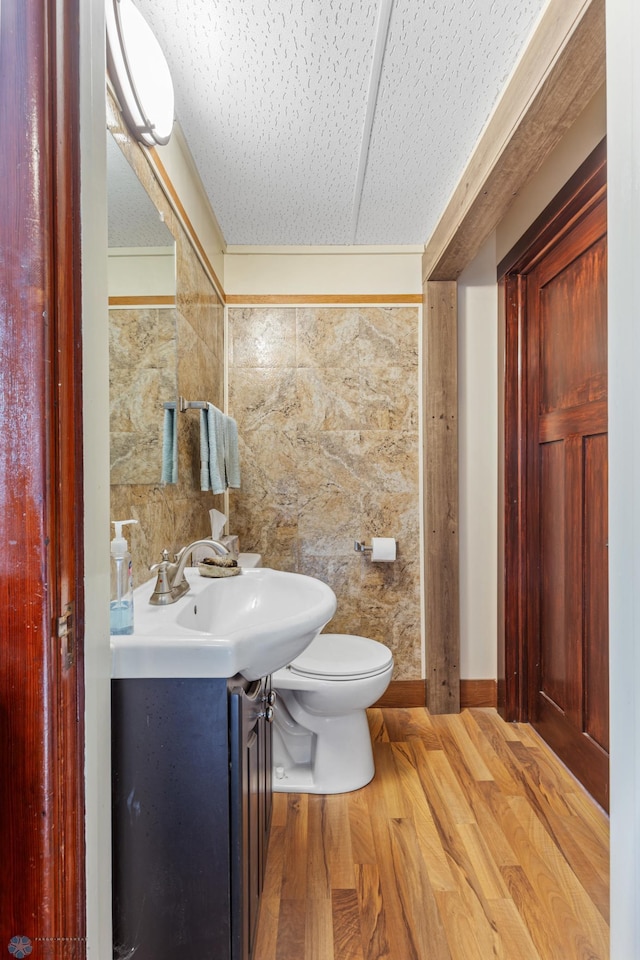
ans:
(218, 567)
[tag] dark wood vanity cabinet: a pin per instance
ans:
(191, 808)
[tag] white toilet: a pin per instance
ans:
(321, 740)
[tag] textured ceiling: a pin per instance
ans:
(335, 121)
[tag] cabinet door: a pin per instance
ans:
(265, 731)
(170, 819)
(246, 759)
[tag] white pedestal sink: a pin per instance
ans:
(251, 624)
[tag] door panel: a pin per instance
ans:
(552, 560)
(596, 614)
(567, 498)
(573, 328)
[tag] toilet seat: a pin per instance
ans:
(340, 656)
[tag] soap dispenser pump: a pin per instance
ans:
(121, 607)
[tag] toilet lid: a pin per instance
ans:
(336, 656)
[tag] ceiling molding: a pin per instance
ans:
(560, 71)
(342, 299)
(359, 250)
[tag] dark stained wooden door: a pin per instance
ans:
(567, 608)
(42, 890)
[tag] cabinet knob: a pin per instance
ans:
(270, 698)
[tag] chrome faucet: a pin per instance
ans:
(171, 583)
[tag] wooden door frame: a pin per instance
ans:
(583, 191)
(42, 843)
(558, 74)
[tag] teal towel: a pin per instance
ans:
(170, 445)
(205, 477)
(212, 442)
(231, 457)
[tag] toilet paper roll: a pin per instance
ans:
(383, 549)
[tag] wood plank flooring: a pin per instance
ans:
(472, 842)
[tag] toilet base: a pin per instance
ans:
(339, 756)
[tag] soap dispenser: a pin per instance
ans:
(121, 607)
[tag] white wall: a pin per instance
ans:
(623, 145)
(96, 478)
(323, 270)
(141, 272)
(478, 463)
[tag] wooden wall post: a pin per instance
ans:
(442, 575)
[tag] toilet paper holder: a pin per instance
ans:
(380, 550)
(360, 547)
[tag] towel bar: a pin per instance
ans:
(191, 404)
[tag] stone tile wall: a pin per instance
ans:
(142, 375)
(326, 401)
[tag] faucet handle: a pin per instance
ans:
(155, 567)
(162, 590)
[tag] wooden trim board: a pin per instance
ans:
(478, 693)
(234, 299)
(413, 693)
(560, 71)
(146, 301)
(404, 693)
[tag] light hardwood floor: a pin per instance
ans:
(472, 842)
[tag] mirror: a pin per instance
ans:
(142, 324)
(164, 343)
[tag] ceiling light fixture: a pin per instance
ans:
(139, 73)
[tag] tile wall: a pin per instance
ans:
(142, 375)
(326, 401)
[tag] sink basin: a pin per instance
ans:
(250, 624)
